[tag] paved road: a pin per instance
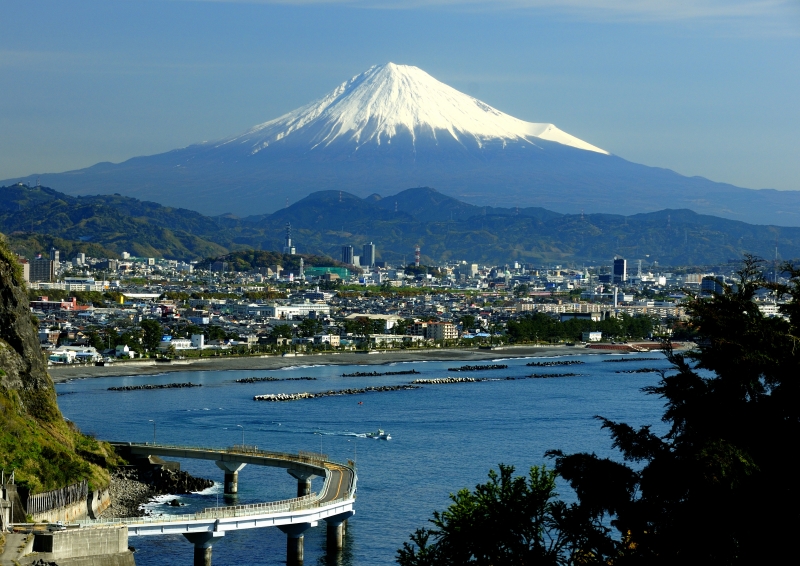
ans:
(337, 496)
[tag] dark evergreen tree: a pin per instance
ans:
(718, 488)
(508, 520)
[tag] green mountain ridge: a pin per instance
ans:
(444, 227)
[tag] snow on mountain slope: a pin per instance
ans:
(391, 100)
(394, 127)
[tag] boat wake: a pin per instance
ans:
(312, 431)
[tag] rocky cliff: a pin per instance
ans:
(46, 451)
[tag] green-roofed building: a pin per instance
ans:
(319, 271)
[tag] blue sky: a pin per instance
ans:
(704, 87)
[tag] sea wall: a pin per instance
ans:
(80, 543)
(16, 508)
(97, 502)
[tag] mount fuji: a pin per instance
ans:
(394, 127)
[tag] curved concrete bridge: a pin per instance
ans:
(334, 503)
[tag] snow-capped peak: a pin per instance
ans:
(389, 100)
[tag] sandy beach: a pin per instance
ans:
(144, 367)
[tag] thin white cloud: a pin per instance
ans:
(621, 9)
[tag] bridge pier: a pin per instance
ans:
(303, 481)
(336, 530)
(202, 546)
(294, 542)
(231, 470)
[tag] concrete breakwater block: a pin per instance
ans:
(275, 397)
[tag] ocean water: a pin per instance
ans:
(444, 437)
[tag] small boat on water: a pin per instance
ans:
(379, 435)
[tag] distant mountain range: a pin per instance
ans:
(395, 126)
(446, 229)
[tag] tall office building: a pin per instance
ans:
(54, 257)
(620, 270)
(288, 248)
(347, 255)
(711, 285)
(368, 255)
(41, 269)
(26, 269)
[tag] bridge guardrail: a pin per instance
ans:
(306, 502)
(311, 458)
(298, 500)
(302, 457)
(214, 513)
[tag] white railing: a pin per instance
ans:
(306, 502)
(303, 457)
(299, 500)
(213, 513)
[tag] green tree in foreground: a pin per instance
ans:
(508, 520)
(720, 487)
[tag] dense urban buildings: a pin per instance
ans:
(98, 301)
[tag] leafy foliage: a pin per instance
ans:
(35, 440)
(283, 331)
(543, 327)
(152, 332)
(507, 520)
(309, 327)
(719, 488)
(722, 476)
(421, 270)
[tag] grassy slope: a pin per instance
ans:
(46, 451)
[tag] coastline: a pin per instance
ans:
(383, 357)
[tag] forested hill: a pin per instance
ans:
(445, 228)
(104, 225)
(247, 260)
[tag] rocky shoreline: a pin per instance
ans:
(271, 362)
(131, 489)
